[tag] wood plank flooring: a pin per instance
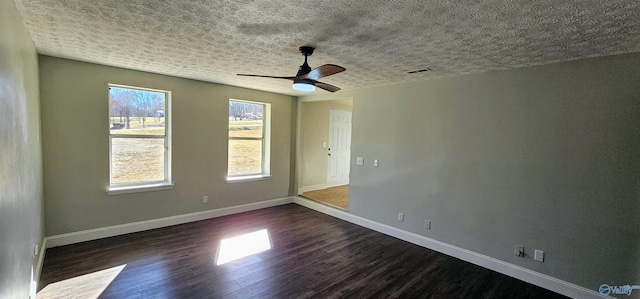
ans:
(313, 255)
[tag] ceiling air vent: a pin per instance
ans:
(419, 71)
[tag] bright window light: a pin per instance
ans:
(69, 288)
(241, 246)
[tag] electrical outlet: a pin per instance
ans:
(538, 255)
(401, 217)
(427, 224)
(205, 199)
(520, 250)
(360, 161)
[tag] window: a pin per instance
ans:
(249, 135)
(139, 138)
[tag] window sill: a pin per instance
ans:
(139, 188)
(248, 178)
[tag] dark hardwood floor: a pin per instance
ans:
(313, 255)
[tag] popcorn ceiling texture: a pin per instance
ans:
(377, 41)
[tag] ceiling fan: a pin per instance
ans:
(306, 79)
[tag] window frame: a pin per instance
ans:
(266, 144)
(143, 186)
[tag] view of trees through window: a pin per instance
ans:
(137, 135)
(246, 138)
(136, 111)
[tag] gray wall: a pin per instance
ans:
(21, 219)
(547, 157)
(314, 129)
(76, 147)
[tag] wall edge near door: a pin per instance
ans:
(110, 231)
(39, 264)
(524, 274)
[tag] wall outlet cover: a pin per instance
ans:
(538, 255)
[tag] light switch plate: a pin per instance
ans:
(376, 163)
(360, 161)
(324, 144)
(520, 250)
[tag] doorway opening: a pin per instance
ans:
(326, 152)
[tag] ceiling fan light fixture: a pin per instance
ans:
(305, 85)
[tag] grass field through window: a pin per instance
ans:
(139, 160)
(245, 156)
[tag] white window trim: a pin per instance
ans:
(266, 147)
(247, 178)
(147, 186)
(139, 188)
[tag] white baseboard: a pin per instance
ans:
(524, 274)
(110, 231)
(314, 187)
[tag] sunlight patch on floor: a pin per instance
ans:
(241, 246)
(76, 287)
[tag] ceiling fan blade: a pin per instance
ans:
(263, 76)
(327, 87)
(322, 71)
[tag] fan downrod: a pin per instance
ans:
(306, 50)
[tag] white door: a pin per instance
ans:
(339, 148)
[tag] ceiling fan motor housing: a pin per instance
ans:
(304, 69)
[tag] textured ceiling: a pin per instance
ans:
(377, 41)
